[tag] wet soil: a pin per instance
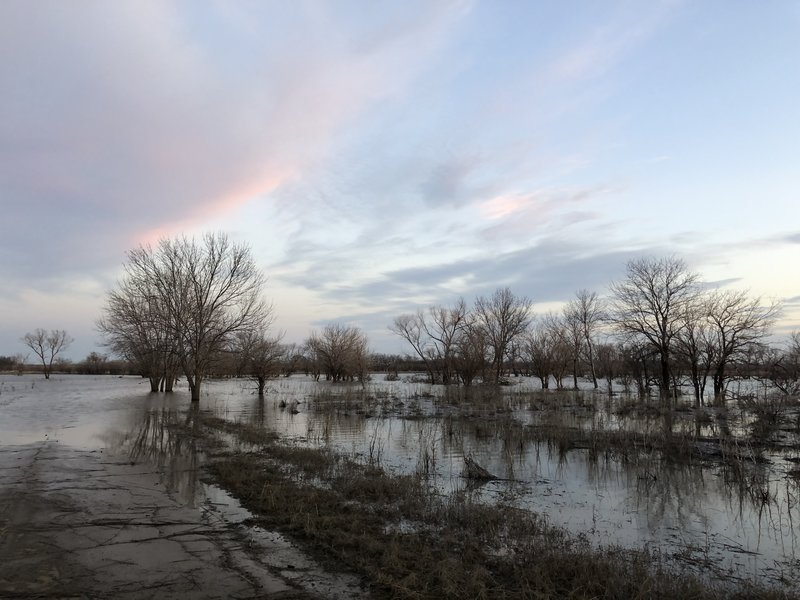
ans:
(85, 519)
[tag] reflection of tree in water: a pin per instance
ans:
(161, 439)
(745, 501)
(669, 494)
(766, 502)
(257, 413)
(340, 426)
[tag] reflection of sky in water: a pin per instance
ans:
(651, 503)
(694, 510)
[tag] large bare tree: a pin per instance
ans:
(192, 296)
(434, 336)
(503, 317)
(736, 322)
(649, 305)
(47, 345)
(136, 323)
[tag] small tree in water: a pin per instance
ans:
(47, 346)
(259, 357)
(340, 352)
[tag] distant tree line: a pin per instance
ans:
(193, 308)
(658, 329)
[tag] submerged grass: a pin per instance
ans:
(409, 542)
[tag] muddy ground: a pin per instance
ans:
(84, 520)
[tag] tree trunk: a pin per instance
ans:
(591, 366)
(703, 387)
(665, 395)
(575, 374)
(719, 386)
(194, 386)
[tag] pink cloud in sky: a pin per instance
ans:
(521, 216)
(127, 125)
(505, 205)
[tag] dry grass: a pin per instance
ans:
(408, 542)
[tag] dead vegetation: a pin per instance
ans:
(408, 541)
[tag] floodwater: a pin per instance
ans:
(722, 525)
(100, 498)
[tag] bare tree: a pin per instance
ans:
(434, 337)
(94, 364)
(212, 291)
(47, 346)
(502, 317)
(547, 350)
(563, 347)
(188, 298)
(782, 366)
(339, 351)
(136, 323)
(445, 327)
(608, 364)
(411, 327)
(649, 304)
(20, 360)
(574, 342)
(471, 350)
(585, 313)
(259, 356)
(694, 345)
(736, 321)
(291, 359)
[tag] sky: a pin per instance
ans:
(380, 157)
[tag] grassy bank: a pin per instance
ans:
(409, 542)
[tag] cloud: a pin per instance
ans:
(793, 238)
(448, 182)
(608, 44)
(524, 215)
(547, 272)
(124, 124)
(719, 283)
